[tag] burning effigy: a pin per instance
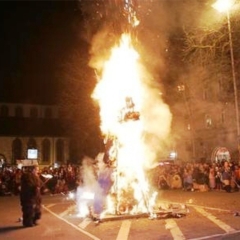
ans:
(135, 122)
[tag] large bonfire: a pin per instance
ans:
(134, 121)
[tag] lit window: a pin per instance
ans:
(208, 121)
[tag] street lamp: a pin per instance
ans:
(225, 6)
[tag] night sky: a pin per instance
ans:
(36, 40)
(39, 37)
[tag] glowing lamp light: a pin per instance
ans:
(223, 5)
(173, 155)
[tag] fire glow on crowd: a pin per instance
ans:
(134, 122)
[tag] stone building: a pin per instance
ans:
(28, 128)
(206, 124)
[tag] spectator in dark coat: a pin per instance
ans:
(30, 197)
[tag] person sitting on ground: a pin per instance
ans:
(162, 183)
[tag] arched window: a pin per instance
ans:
(46, 150)
(33, 112)
(60, 151)
(18, 112)
(4, 111)
(16, 150)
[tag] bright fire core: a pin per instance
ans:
(135, 118)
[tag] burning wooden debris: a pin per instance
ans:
(163, 211)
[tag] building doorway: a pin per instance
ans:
(220, 154)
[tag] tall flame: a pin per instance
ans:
(120, 79)
(130, 112)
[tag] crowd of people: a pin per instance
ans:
(30, 183)
(222, 176)
(187, 176)
(54, 180)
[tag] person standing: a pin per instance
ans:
(212, 179)
(30, 196)
(226, 177)
(218, 179)
(188, 180)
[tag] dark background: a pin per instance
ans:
(36, 39)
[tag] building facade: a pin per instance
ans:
(28, 128)
(207, 131)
